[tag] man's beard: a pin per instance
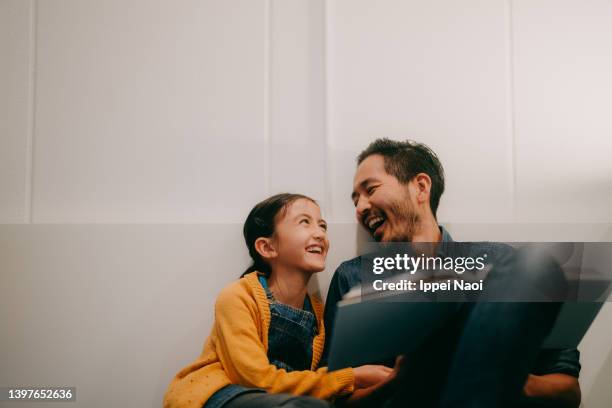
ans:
(406, 221)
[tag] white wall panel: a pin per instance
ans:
(149, 111)
(563, 94)
(113, 310)
(432, 71)
(297, 98)
(15, 104)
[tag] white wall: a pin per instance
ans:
(144, 131)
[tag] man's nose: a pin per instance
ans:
(363, 206)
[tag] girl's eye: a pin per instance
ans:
(324, 226)
(304, 220)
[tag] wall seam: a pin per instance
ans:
(267, 95)
(511, 108)
(327, 171)
(29, 177)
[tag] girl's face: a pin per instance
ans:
(300, 237)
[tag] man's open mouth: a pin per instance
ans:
(375, 224)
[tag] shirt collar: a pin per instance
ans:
(446, 236)
(446, 243)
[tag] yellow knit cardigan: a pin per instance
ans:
(236, 353)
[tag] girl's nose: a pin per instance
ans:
(319, 234)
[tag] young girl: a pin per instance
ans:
(268, 334)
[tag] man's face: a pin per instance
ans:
(383, 205)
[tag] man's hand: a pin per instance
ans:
(561, 389)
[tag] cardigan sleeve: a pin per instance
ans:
(244, 359)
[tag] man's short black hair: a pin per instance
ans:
(405, 160)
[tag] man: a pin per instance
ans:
(487, 352)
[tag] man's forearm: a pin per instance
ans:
(562, 389)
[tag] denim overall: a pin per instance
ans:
(290, 338)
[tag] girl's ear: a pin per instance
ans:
(264, 246)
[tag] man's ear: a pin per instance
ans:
(265, 247)
(422, 182)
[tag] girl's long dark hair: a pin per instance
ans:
(261, 222)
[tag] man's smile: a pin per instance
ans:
(375, 223)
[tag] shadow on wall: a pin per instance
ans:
(600, 394)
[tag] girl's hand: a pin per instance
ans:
(369, 375)
(376, 395)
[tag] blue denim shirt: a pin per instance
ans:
(290, 338)
(348, 275)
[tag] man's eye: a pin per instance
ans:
(371, 189)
